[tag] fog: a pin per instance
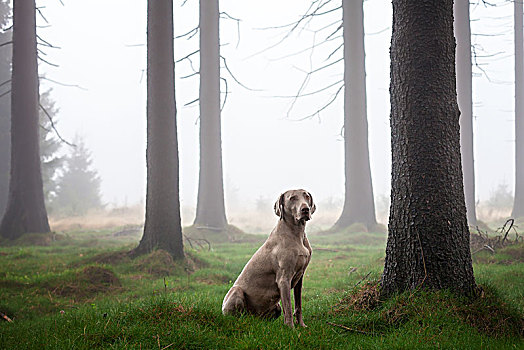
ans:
(266, 148)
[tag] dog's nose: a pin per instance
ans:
(305, 210)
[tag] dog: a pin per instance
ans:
(277, 266)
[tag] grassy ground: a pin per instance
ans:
(80, 290)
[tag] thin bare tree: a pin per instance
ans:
(465, 103)
(210, 211)
(162, 229)
(518, 205)
(359, 205)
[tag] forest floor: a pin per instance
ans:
(79, 289)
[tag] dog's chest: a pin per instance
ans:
(303, 257)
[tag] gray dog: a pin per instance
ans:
(278, 266)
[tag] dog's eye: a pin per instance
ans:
(306, 196)
(293, 198)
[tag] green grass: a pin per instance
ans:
(81, 290)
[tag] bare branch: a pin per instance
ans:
(334, 51)
(62, 84)
(189, 34)
(310, 13)
(379, 32)
(226, 15)
(5, 93)
(233, 76)
(6, 43)
(53, 126)
(190, 75)
(45, 61)
(225, 94)
(313, 92)
(191, 102)
(329, 103)
(187, 56)
(41, 14)
(46, 43)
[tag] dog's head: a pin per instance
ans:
(296, 205)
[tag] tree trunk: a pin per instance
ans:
(211, 211)
(518, 205)
(25, 210)
(359, 204)
(5, 110)
(162, 228)
(465, 103)
(428, 239)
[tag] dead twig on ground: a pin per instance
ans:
(349, 329)
(5, 317)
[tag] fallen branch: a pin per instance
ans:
(199, 242)
(363, 278)
(5, 317)
(348, 329)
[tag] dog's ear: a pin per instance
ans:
(279, 206)
(312, 204)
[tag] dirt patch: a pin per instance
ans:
(90, 281)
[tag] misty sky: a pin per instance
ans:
(265, 151)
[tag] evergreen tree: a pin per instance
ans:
(78, 187)
(49, 147)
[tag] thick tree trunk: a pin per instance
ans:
(25, 210)
(359, 204)
(465, 103)
(428, 239)
(211, 211)
(162, 228)
(518, 205)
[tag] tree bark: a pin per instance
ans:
(465, 103)
(518, 205)
(25, 210)
(359, 204)
(428, 239)
(162, 229)
(211, 210)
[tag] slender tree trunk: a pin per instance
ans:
(162, 228)
(428, 239)
(465, 103)
(211, 211)
(5, 149)
(25, 210)
(5, 111)
(518, 205)
(359, 204)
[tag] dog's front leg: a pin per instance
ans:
(297, 291)
(284, 286)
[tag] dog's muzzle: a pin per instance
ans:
(305, 214)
